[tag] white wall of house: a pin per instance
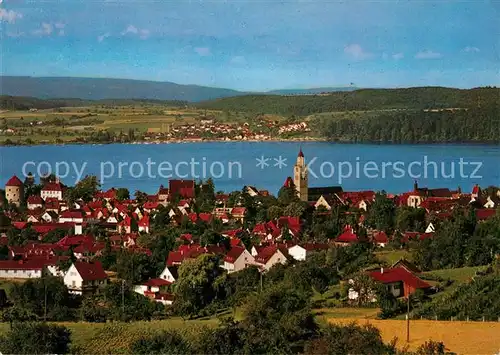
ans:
(167, 275)
(73, 280)
(430, 228)
(140, 289)
(322, 202)
(20, 273)
(298, 252)
(277, 257)
(414, 200)
(71, 219)
(245, 259)
(53, 270)
(144, 229)
(33, 206)
(51, 194)
(489, 203)
(78, 229)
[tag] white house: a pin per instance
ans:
(270, 256)
(237, 259)
(83, 277)
(153, 285)
(34, 202)
(430, 228)
(297, 252)
(169, 274)
(75, 216)
(52, 190)
(50, 217)
(21, 269)
(300, 252)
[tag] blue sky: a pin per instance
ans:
(256, 45)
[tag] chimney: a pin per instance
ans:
(415, 185)
(381, 270)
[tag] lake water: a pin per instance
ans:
(234, 164)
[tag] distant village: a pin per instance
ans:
(210, 129)
(274, 239)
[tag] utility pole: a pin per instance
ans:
(408, 319)
(45, 300)
(123, 296)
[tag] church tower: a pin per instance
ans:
(300, 177)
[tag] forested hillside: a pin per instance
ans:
(26, 103)
(364, 99)
(474, 125)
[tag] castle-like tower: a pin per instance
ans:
(14, 191)
(300, 177)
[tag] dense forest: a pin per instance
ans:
(26, 103)
(363, 99)
(475, 125)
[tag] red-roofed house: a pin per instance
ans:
(153, 287)
(483, 214)
(399, 281)
(75, 216)
(128, 225)
(347, 237)
(270, 256)
(52, 190)
(14, 190)
(380, 238)
(143, 224)
(181, 188)
(238, 213)
(21, 269)
(34, 201)
(237, 259)
(162, 194)
(83, 277)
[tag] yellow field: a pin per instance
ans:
(459, 337)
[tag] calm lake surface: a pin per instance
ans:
(234, 164)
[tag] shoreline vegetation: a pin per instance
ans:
(274, 140)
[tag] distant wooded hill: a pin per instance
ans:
(363, 99)
(26, 103)
(102, 88)
(106, 88)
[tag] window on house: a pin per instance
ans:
(73, 283)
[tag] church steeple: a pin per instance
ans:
(300, 176)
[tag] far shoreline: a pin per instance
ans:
(282, 140)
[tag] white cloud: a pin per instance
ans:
(45, 30)
(202, 51)
(103, 36)
(9, 16)
(398, 56)
(356, 51)
(239, 59)
(141, 32)
(130, 29)
(428, 54)
(469, 49)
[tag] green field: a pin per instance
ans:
(67, 124)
